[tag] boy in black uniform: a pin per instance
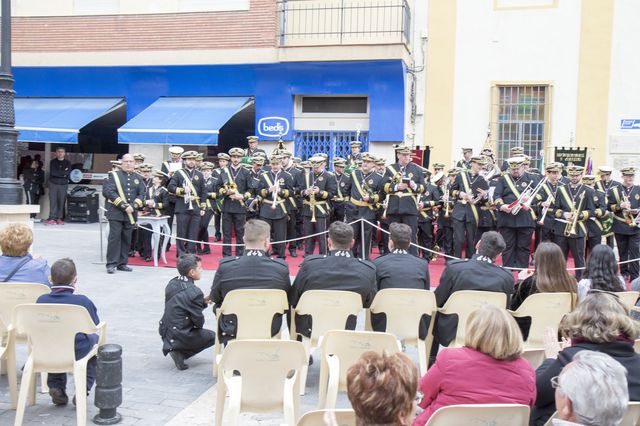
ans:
(234, 186)
(181, 326)
(428, 206)
(594, 224)
(123, 193)
(574, 199)
(209, 205)
(188, 186)
(465, 161)
(292, 202)
(605, 184)
(549, 193)
(343, 188)
(274, 188)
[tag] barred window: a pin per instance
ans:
(333, 143)
(522, 114)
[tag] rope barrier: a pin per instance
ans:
(351, 223)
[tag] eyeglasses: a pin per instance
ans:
(419, 397)
(555, 382)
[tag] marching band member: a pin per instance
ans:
(624, 202)
(604, 184)
(594, 224)
(187, 185)
(465, 161)
(209, 202)
(343, 187)
(572, 209)
(293, 205)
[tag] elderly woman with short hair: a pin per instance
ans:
(16, 263)
(591, 391)
(489, 369)
(599, 323)
(382, 389)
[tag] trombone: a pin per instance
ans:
(570, 229)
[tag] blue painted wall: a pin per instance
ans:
(274, 86)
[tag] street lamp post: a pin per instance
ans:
(10, 190)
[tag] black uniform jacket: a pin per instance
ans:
(265, 182)
(473, 274)
(364, 184)
(240, 180)
(326, 182)
(132, 194)
(399, 269)
(295, 173)
(252, 270)
(508, 190)
(195, 181)
(429, 199)
(622, 223)
(403, 202)
(469, 184)
(182, 321)
(343, 187)
(338, 270)
(568, 200)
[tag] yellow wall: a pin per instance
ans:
(441, 47)
(593, 77)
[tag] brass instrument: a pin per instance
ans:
(275, 194)
(445, 198)
(629, 219)
(396, 179)
(571, 228)
(549, 200)
(312, 203)
(188, 199)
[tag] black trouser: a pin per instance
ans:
(339, 212)
(611, 240)
(144, 242)
(444, 239)
(576, 247)
(425, 237)
(546, 234)
(118, 243)
(383, 243)
(320, 225)
(57, 198)
(279, 230)
(592, 241)
(236, 222)
(479, 231)
(188, 225)
(358, 238)
(33, 197)
(463, 232)
(628, 249)
(292, 228)
(203, 231)
(217, 222)
(410, 220)
(518, 242)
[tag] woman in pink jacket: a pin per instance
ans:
(489, 369)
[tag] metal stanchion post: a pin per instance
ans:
(363, 245)
(101, 211)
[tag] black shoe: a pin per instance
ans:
(58, 396)
(218, 237)
(111, 270)
(293, 253)
(178, 360)
(148, 259)
(206, 251)
(132, 253)
(310, 360)
(198, 250)
(124, 268)
(282, 257)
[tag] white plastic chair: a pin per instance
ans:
(463, 302)
(535, 356)
(269, 372)
(404, 309)
(51, 330)
(340, 350)
(545, 310)
(329, 310)
(8, 357)
(254, 309)
(481, 414)
(11, 295)
(628, 298)
(344, 417)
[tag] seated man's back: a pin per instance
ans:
(399, 268)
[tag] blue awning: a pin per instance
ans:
(59, 120)
(182, 120)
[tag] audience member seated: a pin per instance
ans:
(599, 323)
(255, 269)
(16, 263)
(382, 389)
(338, 270)
(550, 275)
(591, 391)
(181, 324)
(601, 272)
(478, 273)
(489, 369)
(635, 286)
(63, 285)
(399, 269)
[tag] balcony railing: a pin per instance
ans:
(339, 22)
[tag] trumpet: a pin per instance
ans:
(571, 228)
(312, 203)
(275, 194)
(526, 197)
(550, 200)
(188, 199)
(628, 214)
(445, 198)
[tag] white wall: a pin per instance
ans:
(514, 45)
(624, 86)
